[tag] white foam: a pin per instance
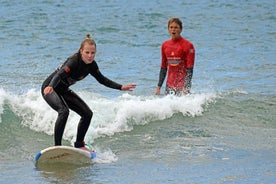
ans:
(105, 157)
(2, 98)
(110, 115)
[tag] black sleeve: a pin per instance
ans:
(55, 80)
(62, 72)
(105, 81)
(162, 76)
(188, 79)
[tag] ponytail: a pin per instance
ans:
(88, 40)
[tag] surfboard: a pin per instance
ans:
(63, 155)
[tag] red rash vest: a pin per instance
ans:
(177, 55)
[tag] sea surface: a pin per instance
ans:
(222, 133)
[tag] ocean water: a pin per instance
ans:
(224, 132)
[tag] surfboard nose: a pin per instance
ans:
(93, 155)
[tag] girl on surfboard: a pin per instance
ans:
(56, 92)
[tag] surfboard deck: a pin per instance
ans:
(63, 155)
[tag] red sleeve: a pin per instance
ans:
(191, 56)
(163, 59)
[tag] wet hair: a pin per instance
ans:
(176, 20)
(87, 40)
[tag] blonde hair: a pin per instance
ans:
(88, 40)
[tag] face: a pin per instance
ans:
(88, 53)
(174, 30)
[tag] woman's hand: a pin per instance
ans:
(128, 87)
(48, 90)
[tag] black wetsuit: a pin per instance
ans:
(63, 98)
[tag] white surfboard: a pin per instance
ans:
(64, 155)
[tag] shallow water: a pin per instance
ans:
(224, 132)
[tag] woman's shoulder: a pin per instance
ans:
(74, 57)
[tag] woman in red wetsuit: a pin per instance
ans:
(178, 55)
(56, 92)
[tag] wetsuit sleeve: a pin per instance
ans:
(163, 70)
(164, 62)
(105, 81)
(190, 56)
(162, 76)
(62, 72)
(188, 79)
(190, 66)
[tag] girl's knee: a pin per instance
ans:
(63, 112)
(89, 114)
